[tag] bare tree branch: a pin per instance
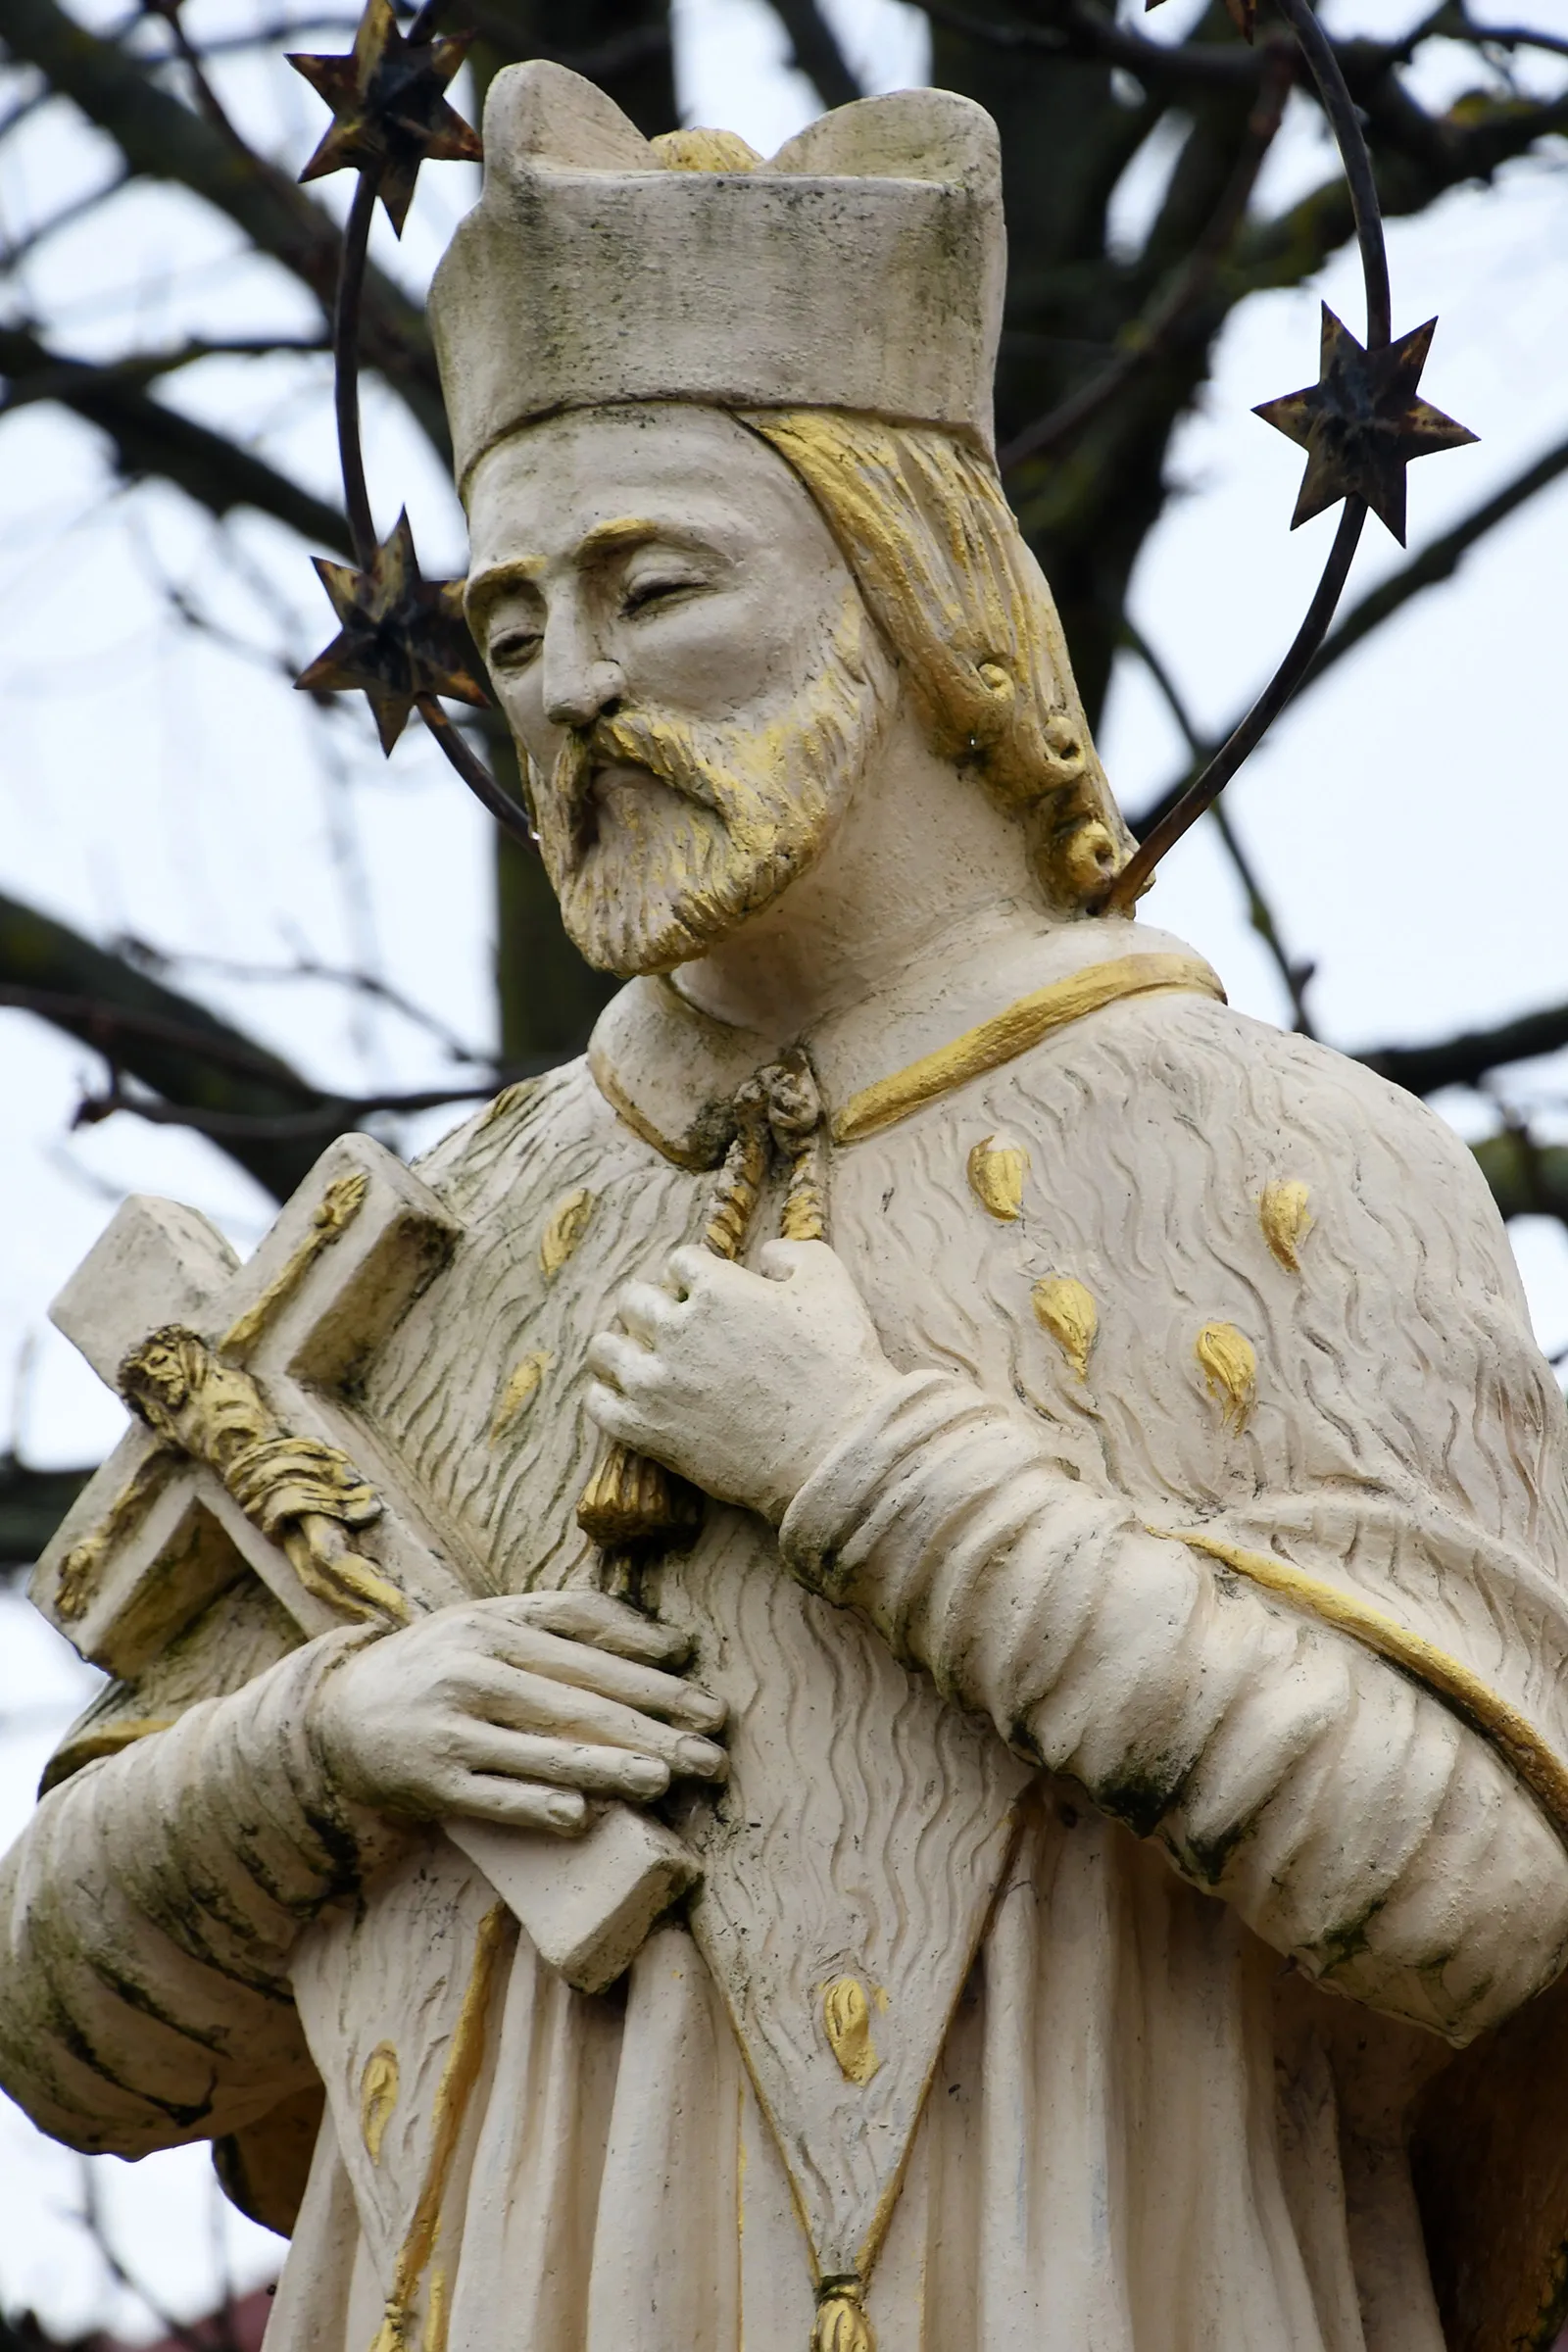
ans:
(816, 52)
(195, 1061)
(332, 1115)
(1526, 1179)
(1295, 974)
(1466, 1059)
(163, 139)
(1434, 563)
(32, 1503)
(151, 439)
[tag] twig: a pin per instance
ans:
(1296, 975)
(92, 2221)
(333, 1116)
(1433, 564)
(206, 98)
(1151, 336)
(817, 53)
(100, 1023)
(24, 246)
(158, 960)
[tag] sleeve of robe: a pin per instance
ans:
(149, 1910)
(1350, 1818)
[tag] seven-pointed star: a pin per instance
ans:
(389, 115)
(1361, 423)
(402, 636)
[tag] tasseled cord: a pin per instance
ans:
(841, 2323)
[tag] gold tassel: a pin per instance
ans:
(841, 2324)
(631, 1499)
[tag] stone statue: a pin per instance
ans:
(887, 1665)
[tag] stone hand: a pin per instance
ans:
(516, 1711)
(741, 1382)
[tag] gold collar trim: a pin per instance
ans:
(1512, 1735)
(1014, 1030)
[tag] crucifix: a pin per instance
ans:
(245, 1454)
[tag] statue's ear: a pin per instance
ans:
(544, 118)
(909, 135)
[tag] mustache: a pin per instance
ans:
(628, 739)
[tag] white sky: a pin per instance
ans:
(1411, 817)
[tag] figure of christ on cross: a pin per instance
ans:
(1058, 1746)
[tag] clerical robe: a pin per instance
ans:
(1160, 1886)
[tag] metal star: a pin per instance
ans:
(1361, 423)
(389, 114)
(402, 636)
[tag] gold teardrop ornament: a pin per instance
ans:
(847, 2021)
(841, 2323)
(379, 2095)
(519, 1392)
(996, 1171)
(1283, 1214)
(1067, 1310)
(1230, 1366)
(568, 1222)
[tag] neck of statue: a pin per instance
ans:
(921, 859)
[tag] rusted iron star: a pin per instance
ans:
(402, 636)
(1362, 423)
(389, 114)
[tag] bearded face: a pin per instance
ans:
(662, 833)
(687, 665)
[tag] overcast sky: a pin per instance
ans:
(1412, 817)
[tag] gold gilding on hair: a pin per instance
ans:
(921, 519)
(1230, 1366)
(1065, 1309)
(704, 151)
(997, 1170)
(568, 1223)
(1281, 1213)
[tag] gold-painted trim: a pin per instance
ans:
(459, 2078)
(335, 1212)
(1513, 1735)
(1015, 1030)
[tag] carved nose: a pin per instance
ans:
(583, 695)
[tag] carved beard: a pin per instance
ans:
(649, 877)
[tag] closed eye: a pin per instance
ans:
(638, 599)
(511, 649)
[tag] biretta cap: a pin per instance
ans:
(861, 268)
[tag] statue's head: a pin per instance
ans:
(724, 433)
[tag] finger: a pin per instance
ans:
(688, 1269)
(664, 1696)
(532, 1702)
(486, 1748)
(610, 1411)
(622, 1362)
(604, 1623)
(518, 1805)
(646, 1310)
(780, 1262)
